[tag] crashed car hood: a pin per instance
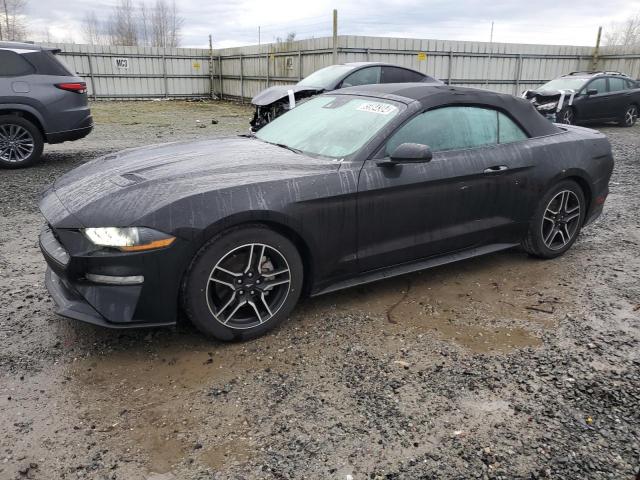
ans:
(273, 94)
(121, 188)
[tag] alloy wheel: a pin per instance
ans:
(16, 143)
(561, 220)
(248, 286)
(567, 117)
(631, 115)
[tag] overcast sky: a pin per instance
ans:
(235, 23)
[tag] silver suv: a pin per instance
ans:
(41, 101)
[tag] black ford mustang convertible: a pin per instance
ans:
(352, 186)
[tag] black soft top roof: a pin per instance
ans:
(431, 95)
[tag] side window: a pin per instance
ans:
(599, 84)
(364, 76)
(449, 128)
(399, 75)
(508, 131)
(616, 84)
(13, 65)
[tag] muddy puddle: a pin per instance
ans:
(490, 304)
(150, 400)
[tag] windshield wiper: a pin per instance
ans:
(282, 145)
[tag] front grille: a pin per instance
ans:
(52, 247)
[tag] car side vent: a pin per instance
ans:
(127, 179)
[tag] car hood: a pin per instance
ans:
(273, 94)
(119, 189)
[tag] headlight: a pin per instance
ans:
(129, 239)
(548, 106)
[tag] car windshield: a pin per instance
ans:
(330, 126)
(564, 84)
(325, 77)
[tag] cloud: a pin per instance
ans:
(234, 23)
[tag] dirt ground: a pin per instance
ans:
(500, 367)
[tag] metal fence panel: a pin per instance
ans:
(148, 72)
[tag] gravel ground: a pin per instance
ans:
(500, 367)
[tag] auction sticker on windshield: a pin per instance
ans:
(381, 108)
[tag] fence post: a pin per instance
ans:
(93, 83)
(267, 69)
(450, 74)
(518, 74)
(164, 74)
(368, 55)
(299, 65)
(220, 74)
(241, 82)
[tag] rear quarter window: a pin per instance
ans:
(47, 63)
(13, 65)
(400, 75)
(508, 131)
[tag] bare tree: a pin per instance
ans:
(158, 25)
(625, 33)
(92, 30)
(13, 19)
(166, 25)
(291, 36)
(123, 25)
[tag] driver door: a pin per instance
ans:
(465, 196)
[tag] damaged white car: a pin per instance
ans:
(276, 100)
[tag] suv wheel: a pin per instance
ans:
(21, 142)
(629, 116)
(567, 116)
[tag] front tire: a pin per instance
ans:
(629, 117)
(21, 142)
(566, 116)
(557, 221)
(243, 283)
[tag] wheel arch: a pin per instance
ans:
(582, 179)
(26, 112)
(277, 222)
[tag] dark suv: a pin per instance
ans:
(581, 97)
(40, 101)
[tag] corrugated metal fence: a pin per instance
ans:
(240, 73)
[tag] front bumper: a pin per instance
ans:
(70, 304)
(152, 303)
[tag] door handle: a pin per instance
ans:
(496, 169)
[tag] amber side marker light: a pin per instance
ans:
(600, 200)
(165, 242)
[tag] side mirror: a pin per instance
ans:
(592, 91)
(411, 153)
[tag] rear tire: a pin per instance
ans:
(629, 116)
(242, 283)
(556, 222)
(21, 142)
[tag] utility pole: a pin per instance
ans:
(335, 36)
(596, 51)
(258, 34)
(488, 69)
